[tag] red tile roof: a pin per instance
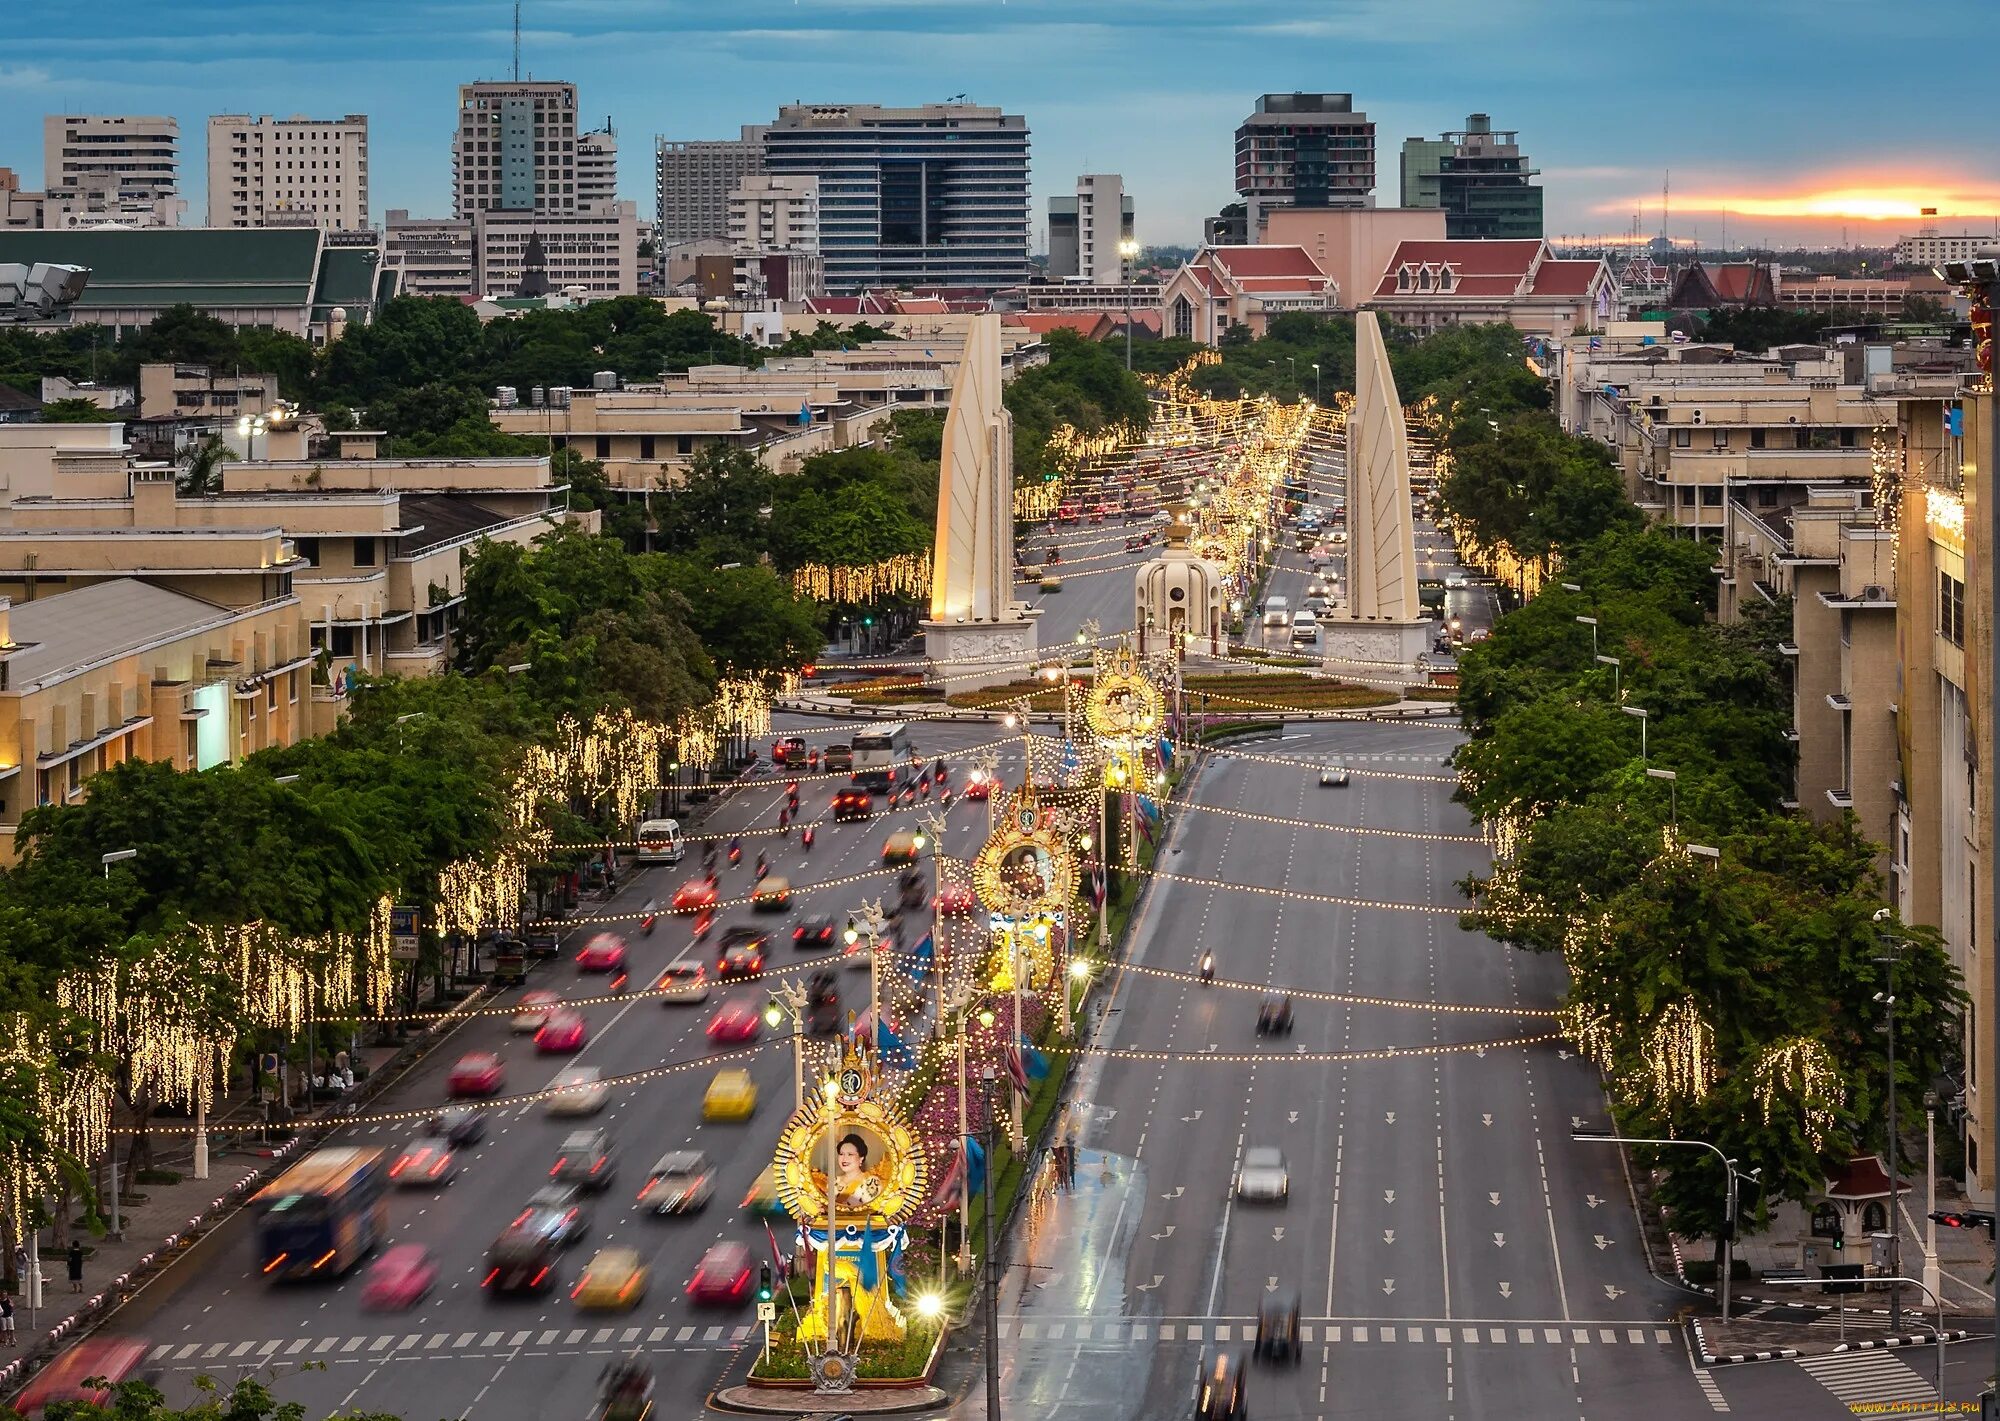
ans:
(1479, 268)
(1735, 281)
(1245, 263)
(1042, 322)
(1565, 278)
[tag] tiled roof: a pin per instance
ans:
(203, 266)
(1250, 262)
(61, 634)
(1735, 281)
(1565, 278)
(1042, 322)
(1479, 268)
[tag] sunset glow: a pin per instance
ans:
(1847, 204)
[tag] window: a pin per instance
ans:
(684, 444)
(364, 552)
(1951, 609)
(292, 686)
(271, 694)
(604, 446)
(1847, 438)
(73, 774)
(1711, 496)
(1756, 439)
(307, 548)
(1721, 439)
(1683, 439)
(646, 445)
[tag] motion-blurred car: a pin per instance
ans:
(1454, 580)
(722, 1278)
(978, 785)
(533, 1009)
(694, 895)
(477, 1073)
(1262, 1177)
(815, 931)
(735, 1021)
(399, 1278)
(762, 1200)
(1274, 1016)
(787, 747)
(740, 953)
(561, 1211)
(564, 1033)
(603, 953)
(613, 1281)
(773, 895)
(732, 1095)
(1278, 1329)
(578, 1090)
(1218, 1387)
(683, 984)
(955, 898)
(423, 1163)
(523, 1259)
(463, 1125)
(585, 1160)
(902, 847)
(679, 1183)
(1333, 776)
(838, 759)
(114, 1359)
(851, 804)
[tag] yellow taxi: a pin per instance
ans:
(732, 1095)
(614, 1280)
(773, 895)
(902, 847)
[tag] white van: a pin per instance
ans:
(1277, 612)
(1305, 630)
(660, 841)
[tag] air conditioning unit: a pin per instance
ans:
(1874, 592)
(1697, 416)
(1791, 419)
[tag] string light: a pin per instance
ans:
(905, 575)
(1303, 994)
(1799, 1073)
(1680, 1052)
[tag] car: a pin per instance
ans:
(424, 1163)
(532, 1010)
(731, 1095)
(1218, 1387)
(562, 1034)
(1274, 1016)
(694, 896)
(1305, 631)
(603, 953)
(102, 1359)
(1277, 612)
(815, 931)
(1261, 1177)
(1319, 587)
(903, 846)
(762, 1201)
(461, 1124)
(722, 1278)
(955, 898)
(1312, 607)
(822, 1004)
(1454, 580)
(787, 747)
(613, 1281)
(740, 953)
(773, 895)
(851, 804)
(1333, 776)
(585, 1160)
(680, 1182)
(1479, 634)
(838, 759)
(578, 1090)
(476, 1073)
(399, 1278)
(735, 1020)
(978, 785)
(684, 983)
(1278, 1329)
(563, 1215)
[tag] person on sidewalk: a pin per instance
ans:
(76, 1265)
(6, 1320)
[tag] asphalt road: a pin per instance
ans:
(1096, 572)
(461, 1352)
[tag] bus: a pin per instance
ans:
(323, 1215)
(660, 841)
(877, 751)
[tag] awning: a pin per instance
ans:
(84, 747)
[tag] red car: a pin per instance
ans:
(477, 1073)
(786, 749)
(734, 1021)
(563, 1033)
(694, 895)
(399, 1278)
(978, 785)
(852, 804)
(722, 1278)
(112, 1358)
(955, 898)
(603, 953)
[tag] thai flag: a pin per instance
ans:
(1097, 888)
(952, 1183)
(1032, 1061)
(1166, 753)
(894, 1050)
(1016, 1069)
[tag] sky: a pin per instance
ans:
(1777, 121)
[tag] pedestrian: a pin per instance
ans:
(76, 1265)
(6, 1320)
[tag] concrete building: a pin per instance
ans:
(1225, 287)
(514, 148)
(1430, 285)
(597, 170)
(1479, 177)
(692, 180)
(102, 168)
(1353, 245)
(1083, 235)
(20, 208)
(108, 398)
(596, 251)
(929, 196)
(292, 172)
(774, 237)
(1304, 150)
(125, 670)
(435, 255)
(1929, 248)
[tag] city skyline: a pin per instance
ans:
(1749, 142)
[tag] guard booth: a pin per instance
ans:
(1854, 1206)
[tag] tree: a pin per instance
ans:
(74, 410)
(748, 620)
(1759, 328)
(714, 511)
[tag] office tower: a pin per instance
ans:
(1479, 177)
(103, 168)
(292, 172)
(597, 169)
(930, 196)
(1085, 230)
(436, 254)
(515, 148)
(692, 181)
(1304, 150)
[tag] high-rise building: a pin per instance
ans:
(597, 170)
(515, 149)
(1479, 176)
(930, 196)
(435, 253)
(692, 181)
(1304, 150)
(1083, 234)
(774, 236)
(292, 172)
(533, 253)
(101, 168)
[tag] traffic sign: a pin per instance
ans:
(767, 1312)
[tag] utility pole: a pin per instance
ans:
(992, 1268)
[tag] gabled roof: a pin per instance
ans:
(1704, 285)
(1248, 263)
(1566, 277)
(60, 635)
(1042, 322)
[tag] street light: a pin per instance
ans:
(1617, 669)
(1316, 384)
(987, 1075)
(1673, 792)
(1891, 943)
(1128, 249)
(1932, 1294)
(249, 427)
(1590, 622)
(116, 856)
(1729, 1198)
(1642, 713)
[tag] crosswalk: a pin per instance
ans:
(1119, 1331)
(476, 1345)
(1867, 1378)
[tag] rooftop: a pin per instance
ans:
(442, 520)
(61, 635)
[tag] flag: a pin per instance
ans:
(1149, 812)
(805, 413)
(1097, 888)
(975, 1170)
(1166, 753)
(1016, 1069)
(894, 1050)
(920, 960)
(1033, 1062)
(952, 1181)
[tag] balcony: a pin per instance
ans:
(1839, 701)
(1840, 798)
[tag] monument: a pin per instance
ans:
(1381, 622)
(1179, 595)
(977, 634)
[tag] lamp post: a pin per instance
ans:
(1729, 1197)
(1617, 668)
(992, 1266)
(1590, 622)
(961, 1007)
(1128, 249)
(1933, 1297)
(789, 999)
(1887, 1000)
(1931, 1278)
(1673, 792)
(1316, 384)
(249, 427)
(115, 856)
(1643, 715)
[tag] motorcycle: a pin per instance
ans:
(762, 868)
(806, 837)
(618, 984)
(1207, 967)
(646, 923)
(735, 852)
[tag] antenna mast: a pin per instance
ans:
(517, 41)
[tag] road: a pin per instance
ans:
(1097, 575)
(462, 1352)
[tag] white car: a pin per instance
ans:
(533, 1009)
(579, 1090)
(1455, 580)
(1262, 1178)
(1277, 612)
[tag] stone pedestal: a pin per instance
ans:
(966, 656)
(1388, 650)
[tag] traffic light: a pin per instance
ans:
(1839, 1242)
(763, 1282)
(1965, 1219)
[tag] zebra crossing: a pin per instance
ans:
(1870, 1379)
(476, 1345)
(1120, 1331)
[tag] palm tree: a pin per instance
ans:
(201, 474)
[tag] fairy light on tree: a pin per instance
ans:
(1679, 1052)
(1799, 1074)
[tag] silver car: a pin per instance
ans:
(679, 1184)
(1262, 1178)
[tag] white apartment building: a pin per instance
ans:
(693, 179)
(1928, 249)
(435, 253)
(1103, 220)
(597, 170)
(291, 172)
(596, 251)
(771, 211)
(515, 148)
(104, 168)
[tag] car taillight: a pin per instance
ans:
(798, 933)
(597, 1166)
(274, 1263)
(398, 1167)
(487, 1281)
(577, 1289)
(439, 1167)
(555, 1169)
(324, 1259)
(520, 1218)
(648, 1189)
(536, 1281)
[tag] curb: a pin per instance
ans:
(1778, 1354)
(1908, 1339)
(1729, 1359)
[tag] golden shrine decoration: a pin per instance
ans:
(1123, 703)
(1026, 869)
(1028, 945)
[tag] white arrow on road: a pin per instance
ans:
(1592, 1200)
(1167, 1232)
(1561, 1054)
(1499, 1240)
(1480, 1052)
(1601, 1241)
(1486, 1119)
(1388, 1196)
(1576, 1122)
(1506, 1290)
(1388, 1235)
(1389, 1117)
(1104, 1112)
(1291, 1117)
(1494, 1198)
(1388, 1285)
(1277, 1235)
(1158, 1278)
(1613, 1294)
(1179, 1189)
(1271, 1284)
(1190, 1119)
